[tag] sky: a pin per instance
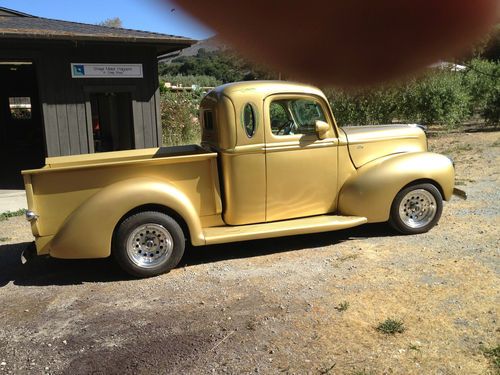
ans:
(147, 15)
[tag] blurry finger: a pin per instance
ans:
(355, 42)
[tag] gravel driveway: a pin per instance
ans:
(297, 305)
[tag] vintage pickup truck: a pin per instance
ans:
(272, 162)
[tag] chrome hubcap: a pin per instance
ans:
(417, 208)
(149, 245)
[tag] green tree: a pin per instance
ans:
(112, 22)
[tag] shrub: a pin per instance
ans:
(391, 326)
(438, 98)
(482, 80)
(179, 117)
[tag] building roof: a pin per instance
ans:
(19, 25)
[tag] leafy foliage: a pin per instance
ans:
(8, 214)
(482, 80)
(391, 326)
(224, 66)
(439, 97)
(112, 22)
(179, 117)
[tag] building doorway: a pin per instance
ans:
(112, 123)
(22, 144)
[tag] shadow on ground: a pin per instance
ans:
(42, 271)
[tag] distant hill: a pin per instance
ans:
(211, 44)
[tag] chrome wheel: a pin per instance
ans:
(417, 208)
(149, 245)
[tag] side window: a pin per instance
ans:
(295, 116)
(208, 120)
(249, 121)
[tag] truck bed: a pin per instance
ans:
(66, 182)
(120, 157)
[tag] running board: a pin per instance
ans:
(314, 224)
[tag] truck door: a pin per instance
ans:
(301, 169)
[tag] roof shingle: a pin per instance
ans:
(20, 25)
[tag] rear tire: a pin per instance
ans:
(416, 209)
(148, 243)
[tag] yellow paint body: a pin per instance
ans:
(234, 186)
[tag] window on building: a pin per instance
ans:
(112, 124)
(20, 107)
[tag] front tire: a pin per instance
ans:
(416, 209)
(148, 243)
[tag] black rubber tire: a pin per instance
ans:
(126, 228)
(397, 223)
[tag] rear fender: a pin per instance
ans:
(88, 231)
(371, 191)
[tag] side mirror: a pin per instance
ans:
(322, 129)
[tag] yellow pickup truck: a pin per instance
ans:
(272, 162)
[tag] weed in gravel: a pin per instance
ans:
(4, 239)
(5, 215)
(496, 143)
(413, 347)
(494, 356)
(391, 326)
(251, 325)
(343, 306)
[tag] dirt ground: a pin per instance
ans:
(274, 306)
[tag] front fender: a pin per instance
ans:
(88, 231)
(372, 189)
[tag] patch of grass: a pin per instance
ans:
(493, 354)
(4, 239)
(391, 326)
(343, 306)
(496, 143)
(8, 214)
(348, 257)
(413, 347)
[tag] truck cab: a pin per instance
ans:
(274, 162)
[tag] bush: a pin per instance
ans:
(438, 98)
(363, 106)
(482, 80)
(179, 117)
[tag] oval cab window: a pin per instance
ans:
(249, 120)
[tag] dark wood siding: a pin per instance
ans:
(64, 100)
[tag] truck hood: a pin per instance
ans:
(367, 143)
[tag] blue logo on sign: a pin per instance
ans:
(78, 70)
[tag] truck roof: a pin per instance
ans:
(266, 88)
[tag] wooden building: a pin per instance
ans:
(69, 88)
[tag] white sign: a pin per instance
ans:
(106, 70)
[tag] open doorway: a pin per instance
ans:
(112, 121)
(22, 143)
